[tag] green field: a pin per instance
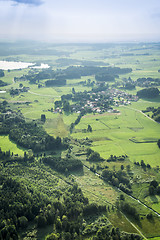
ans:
(128, 132)
(7, 145)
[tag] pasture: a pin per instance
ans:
(129, 132)
(7, 145)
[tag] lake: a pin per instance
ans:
(9, 65)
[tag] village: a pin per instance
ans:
(97, 102)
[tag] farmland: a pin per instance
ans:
(119, 131)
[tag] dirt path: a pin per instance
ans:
(42, 94)
(133, 225)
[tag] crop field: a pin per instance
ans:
(129, 132)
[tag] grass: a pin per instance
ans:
(56, 127)
(154, 202)
(156, 238)
(118, 219)
(7, 145)
(94, 188)
(112, 134)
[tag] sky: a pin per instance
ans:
(80, 20)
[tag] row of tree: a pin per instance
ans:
(52, 83)
(1, 73)
(63, 164)
(2, 83)
(28, 134)
(119, 179)
(154, 188)
(72, 72)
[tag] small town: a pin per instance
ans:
(99, 102)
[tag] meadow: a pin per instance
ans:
(7, 145)
(128, 132)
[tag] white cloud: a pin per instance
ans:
(83, 20)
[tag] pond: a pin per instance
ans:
(11, 65)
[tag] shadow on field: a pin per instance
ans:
(79, 173)
(154, 199)
(157, 99)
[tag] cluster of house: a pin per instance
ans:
(102, 101)
(122, 98)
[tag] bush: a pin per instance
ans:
(22, 222)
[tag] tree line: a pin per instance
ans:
(1, 73)
(148, 93)
(28, 134)
(119, 179)
(63, 164)
(72, 72)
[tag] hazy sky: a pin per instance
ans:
(80, 20)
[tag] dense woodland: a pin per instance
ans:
(63, 165)
(148, 93)
(67, 211)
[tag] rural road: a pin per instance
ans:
(133, 225)
(42, 94)
(134, 198)
(134, 109)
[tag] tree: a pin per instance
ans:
(151, 190)
(149, 216)
(66, 106)
(1, 73)
(52, 236)
(129, 86)
(89, 129)
(154, 183)
(4, 103)
(73, 90)
(122, 197)
(94, 156)
(22, 222)
(158, 190)
(128, 167)
(43, 117)
(41, 221)
(122, 167)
